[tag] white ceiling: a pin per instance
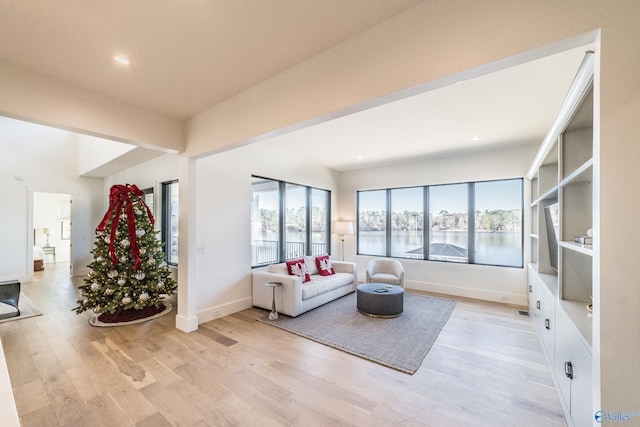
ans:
(189, 55)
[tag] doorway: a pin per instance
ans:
(52, 231)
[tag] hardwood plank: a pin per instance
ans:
(31, 397)
(106, 412)
(42, 417)
(138, 377)
(216, 336)
(174, 408)
(155, 420)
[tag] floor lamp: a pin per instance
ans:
(343, 228)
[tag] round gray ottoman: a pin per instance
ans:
(380, 299)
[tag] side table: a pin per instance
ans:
(273, 285)
(50, 250)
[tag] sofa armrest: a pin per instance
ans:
(346, 267)
(288, 296)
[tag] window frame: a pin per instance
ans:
(165, 229)
(282, 232)
(471, 226)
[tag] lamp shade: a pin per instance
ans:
(45, 230)
(343, 227)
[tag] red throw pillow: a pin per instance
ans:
(297, 267)
(323, 263)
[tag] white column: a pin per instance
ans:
(187, 317)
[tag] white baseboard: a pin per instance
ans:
(224, 310)
(480, 294)
(186, 324)
(8, 410)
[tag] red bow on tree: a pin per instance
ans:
(122, 197)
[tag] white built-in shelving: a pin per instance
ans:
(561, 272)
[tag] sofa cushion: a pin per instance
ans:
(311, 265)
(323, 263)
(297, 267)
(321, 284)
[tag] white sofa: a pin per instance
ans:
(294, 297)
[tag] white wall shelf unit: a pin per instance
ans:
(561, 272)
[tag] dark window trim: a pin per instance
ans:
(282, 203)
(426, 206)
(166, 220)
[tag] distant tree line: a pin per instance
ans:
(295, 219)
(490, 221)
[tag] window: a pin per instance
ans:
(319, 221)
(448, 222)
(169, 233)
(498, 223)
(295, 220)
(287, 221)
(372, 222)
(407, 222)
(148, 199)
(473, 222)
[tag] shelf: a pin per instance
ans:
(580, 318)
(581, 174)
(578, 247)
(551, 194)
(565, 171)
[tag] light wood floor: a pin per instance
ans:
(485, 369)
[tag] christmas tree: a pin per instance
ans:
(128, 273)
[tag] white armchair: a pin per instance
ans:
(385, 271)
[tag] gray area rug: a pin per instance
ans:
(401, 342)
(27, 309)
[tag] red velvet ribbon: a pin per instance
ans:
(121, 198)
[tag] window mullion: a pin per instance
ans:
(388, 227)
(307, 246)
(282, 220)
(328, 221)
(425, 224)
(471, 224)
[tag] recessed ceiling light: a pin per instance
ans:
(121, 60)
(475, 138)
(359, 157)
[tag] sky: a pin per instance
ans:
(490, 195)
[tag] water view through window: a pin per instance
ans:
(495, 239)
(498, 222)
(287, 221)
